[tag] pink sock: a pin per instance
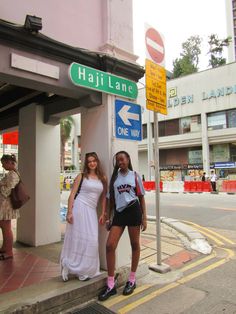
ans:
(132, 277)
(110, 282)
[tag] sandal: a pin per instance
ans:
(5, 257)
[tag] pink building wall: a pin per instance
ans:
(98, 25)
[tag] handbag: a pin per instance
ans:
(19, 195)
(137, 186)
(79, 187)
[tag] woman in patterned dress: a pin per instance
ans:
(9, 181)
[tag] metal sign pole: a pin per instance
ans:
(150, 147)
(159, 266)
(157, 182)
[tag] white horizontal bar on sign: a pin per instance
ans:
(34, 66)
(155, 45)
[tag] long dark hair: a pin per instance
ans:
(7, 157)
(115, 174)
(99, 172)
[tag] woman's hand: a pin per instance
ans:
(102, 219)
(144, 223)
(69, 217)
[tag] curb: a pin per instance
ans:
(54, 296)
(181, 227)
(197, 241)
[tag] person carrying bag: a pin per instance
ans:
(8, 209)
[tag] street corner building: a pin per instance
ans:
(199, 131)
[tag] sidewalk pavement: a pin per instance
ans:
(31, 281)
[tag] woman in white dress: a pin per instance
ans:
(80, 254)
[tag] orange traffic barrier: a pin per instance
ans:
(150, 185)
(232, 186)
(229, 186)
(187, 186)
(161, 186)
(197, 186)
(206, 186)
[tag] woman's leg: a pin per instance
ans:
(134, 235)
(7, 237)
(112, 242)
(2, 250)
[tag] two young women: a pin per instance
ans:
(80, 251)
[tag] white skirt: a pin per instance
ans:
(80, 249)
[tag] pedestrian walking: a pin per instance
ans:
(204, 177)
(7, 213)
(80, 254)
(213, 179)
(126, 198)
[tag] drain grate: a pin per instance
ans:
(93, 308)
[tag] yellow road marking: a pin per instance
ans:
(185, 279)
(210, 231)
(184, 205)
(147, 298)
(121, 298)
(222, 208)
(218, 242)
(198, 262)
(203, 271)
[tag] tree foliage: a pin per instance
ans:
(189, 57)
(216, 48)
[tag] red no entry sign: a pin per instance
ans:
(155, 46)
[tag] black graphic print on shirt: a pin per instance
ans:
(123, 188)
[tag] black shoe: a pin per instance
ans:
(107, 293)
(129, 288)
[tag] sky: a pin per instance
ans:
(177, 20)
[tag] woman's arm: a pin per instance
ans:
(144, 212)
(102, 218)
(69, 216)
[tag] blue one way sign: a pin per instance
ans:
(128, 120)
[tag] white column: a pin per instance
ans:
(97, 135)
(205, 144)
(39, 165)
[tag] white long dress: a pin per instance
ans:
(80, 249)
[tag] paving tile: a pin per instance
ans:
(24, 270)
(177, 260)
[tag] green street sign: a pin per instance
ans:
(102, 81)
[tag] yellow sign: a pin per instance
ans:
(154, 106)
(155, 87)
(155, 71)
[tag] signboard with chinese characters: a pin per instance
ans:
(155, 87)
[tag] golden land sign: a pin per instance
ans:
(155, 87)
